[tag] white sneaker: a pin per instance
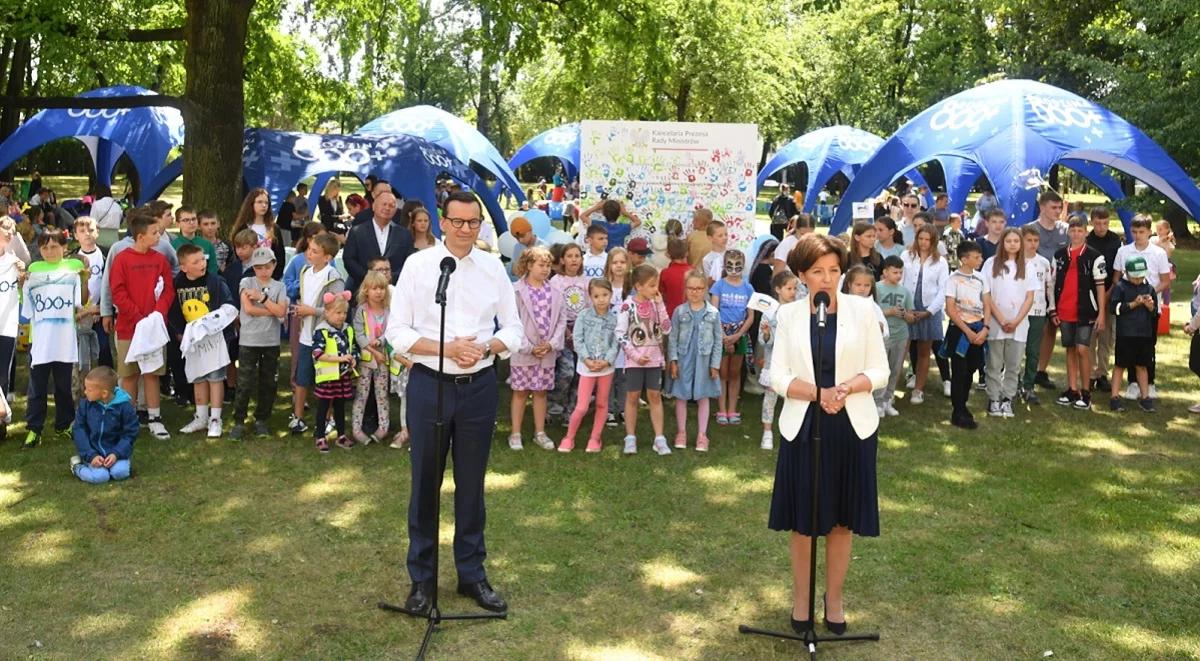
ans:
(994, 409)
(514, 442)
(946, 389)
(891, 410)
(197, 424)
(543, 441)
(1153, 392)
(660, 445)
(214, 428)
(630, 445)
(611, 421)
(910, 381)
(158, 429)
(881, 410)
(768, 441)
(917, 397)
(1006, 409)
(296, 425)
(1133, 392)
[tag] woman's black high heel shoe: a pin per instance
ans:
(835, 628)
(801, 627)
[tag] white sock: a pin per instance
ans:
(201, 412)
(216, 413)
(154, 414)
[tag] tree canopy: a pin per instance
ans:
(517, 67)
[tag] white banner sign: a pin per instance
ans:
(665, 170)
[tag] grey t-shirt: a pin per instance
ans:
(261, 331)
(1051, 240)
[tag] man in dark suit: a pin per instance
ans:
(378, 188)
(378, 238)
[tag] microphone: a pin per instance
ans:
(447, 266)
(821, 300)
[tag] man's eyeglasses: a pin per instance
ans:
(473, 223)
(910, 206)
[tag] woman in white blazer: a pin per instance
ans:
(854, 364)
(925, 276)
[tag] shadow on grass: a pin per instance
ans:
(1057, 530)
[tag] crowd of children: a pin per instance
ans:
(604, 329)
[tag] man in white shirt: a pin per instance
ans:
(477, 299)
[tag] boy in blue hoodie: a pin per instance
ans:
(105, 427)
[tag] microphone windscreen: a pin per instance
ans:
(821, 298)
(449, 264)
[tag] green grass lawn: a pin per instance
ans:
(1063, 531)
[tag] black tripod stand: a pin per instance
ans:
(810, 637)
(435, 616)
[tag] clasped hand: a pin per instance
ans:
(833, 400)
(104, 462)
(464, 351)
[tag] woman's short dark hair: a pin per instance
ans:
(812, 247)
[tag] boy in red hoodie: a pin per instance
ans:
(136, 273)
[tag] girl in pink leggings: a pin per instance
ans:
(596, 346)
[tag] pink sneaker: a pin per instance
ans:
(593, 445)
(566, 445)
(701, 443)
(680, 440)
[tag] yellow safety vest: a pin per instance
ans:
(394, 364)
(327, 371)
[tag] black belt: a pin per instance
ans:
(457, 379)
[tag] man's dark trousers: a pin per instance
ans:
(470, 414)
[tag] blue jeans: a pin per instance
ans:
(91, 475)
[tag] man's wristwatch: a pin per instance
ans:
(487, 350)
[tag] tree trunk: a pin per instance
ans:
(682, 100)
(214, 114)
(10, 112)
(483, 118)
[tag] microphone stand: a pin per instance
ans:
(435, 616)
(811, 638)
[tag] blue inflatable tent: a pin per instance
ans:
(826, 152)
(147, 134)
(561, 142)
(453, 134)
(278, 160)
(1014, 131)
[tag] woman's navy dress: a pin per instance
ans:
(847, 492)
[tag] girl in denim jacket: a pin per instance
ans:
(596, 348)
(694, 352)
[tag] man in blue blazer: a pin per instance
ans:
(378, 238)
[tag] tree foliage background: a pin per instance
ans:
(517, 67)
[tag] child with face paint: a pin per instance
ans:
(730, 295)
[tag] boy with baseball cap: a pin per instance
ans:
(1134, 306)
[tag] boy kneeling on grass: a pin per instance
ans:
(106, 425)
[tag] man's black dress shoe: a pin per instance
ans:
(484, 595)
(420, 598)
